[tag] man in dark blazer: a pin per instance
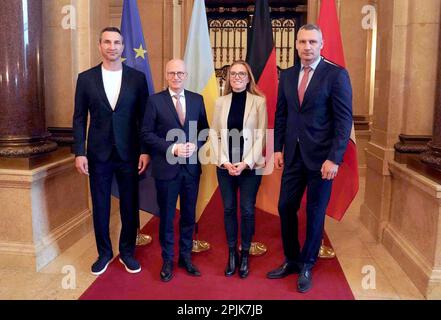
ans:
(172, 122)
(115, 96)
(312, 129)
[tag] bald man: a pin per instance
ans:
(172, 122)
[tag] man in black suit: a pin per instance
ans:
(172, 122)
(312, 128)
(115, 96)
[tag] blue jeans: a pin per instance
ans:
(247, 184)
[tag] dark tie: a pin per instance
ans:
(304, 83)
(179, 110)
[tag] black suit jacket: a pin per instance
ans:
(322, 124)
(160, 119)
(119, 127)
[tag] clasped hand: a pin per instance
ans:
(185, 150)
(235, 169)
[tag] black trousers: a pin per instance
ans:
(101, 175)
(186, 186)
(296, 177)
(247, 184)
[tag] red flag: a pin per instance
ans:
(328, 22)
(345, 186)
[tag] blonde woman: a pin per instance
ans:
(238, 139)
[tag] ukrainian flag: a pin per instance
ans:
(202, 79)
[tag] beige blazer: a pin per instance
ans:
(255, 123)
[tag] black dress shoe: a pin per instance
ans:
(167, 271)
(244, 264)
(233, 262)
(284, 270)
(189, 267)
(304, 283)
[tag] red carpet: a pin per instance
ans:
(329, 282)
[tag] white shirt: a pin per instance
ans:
(311, 73)
(184, 109)
(112, 85)
(181, 99)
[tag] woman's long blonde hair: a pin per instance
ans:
(251, 86)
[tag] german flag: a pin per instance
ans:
(261, 56)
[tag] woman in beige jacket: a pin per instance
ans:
(238, 140)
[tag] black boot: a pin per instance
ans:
(233, 261)
(243, 269)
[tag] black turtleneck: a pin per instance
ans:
(235, 121)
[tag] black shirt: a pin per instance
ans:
(235, 121)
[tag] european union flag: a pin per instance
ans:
(135, 56)
(135, 49)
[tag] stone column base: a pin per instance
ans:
(413, 234)
(43, 212)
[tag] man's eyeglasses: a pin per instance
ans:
(180, 74)
(240, 74)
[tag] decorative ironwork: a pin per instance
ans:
(284, 39)
(250, 9)
(229, 42)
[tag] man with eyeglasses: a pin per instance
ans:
(170, 121)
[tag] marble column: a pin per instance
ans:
(70, 33)
(387, 113)
(45, 206)
(422, 33)
(433, 156)
(404, 101)
(402, 206)
(359, 41)
(22, 118)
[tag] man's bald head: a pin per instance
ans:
(176, 74)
